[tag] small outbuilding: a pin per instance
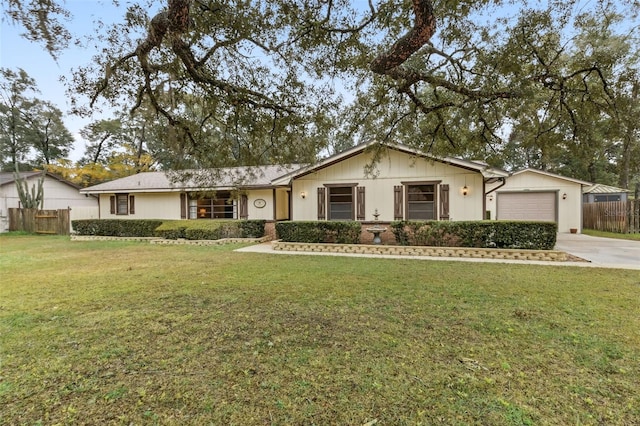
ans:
(598, 193)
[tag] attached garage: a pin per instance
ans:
(527, 206)
(532, 194)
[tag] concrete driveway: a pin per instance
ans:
(605, 252)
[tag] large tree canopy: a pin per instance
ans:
(258, 81)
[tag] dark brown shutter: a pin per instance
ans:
(132, 204)
(244, 207)
(183, 206)
(322, 204)
(444, 202)
(360, 215)
(397, 202)
(112, 200)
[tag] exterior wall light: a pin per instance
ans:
(465, 190)
(564, 196)
(303, 194)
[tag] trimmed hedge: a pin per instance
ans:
(116, 227)
(341, 232)
(211, 229)
(486, 234)
(172, 229)
(252, 228)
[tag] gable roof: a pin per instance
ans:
(9, 178)
(487, 171)
(263, 176)
(598, 188)
(223, 178)
(553, 175)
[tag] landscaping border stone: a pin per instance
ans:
(473, 252)
(180, 241)
(485, 253)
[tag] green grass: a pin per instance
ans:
(594, 233)
(133, 333)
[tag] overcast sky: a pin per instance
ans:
(16, 52)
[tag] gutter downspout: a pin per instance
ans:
(503, 182)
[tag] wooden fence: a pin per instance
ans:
(612, 216)
(39, 221)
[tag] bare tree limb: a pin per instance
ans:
(422, 31)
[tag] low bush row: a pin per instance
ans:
(487, 234)
(116, 227)
(341, 232)
(171, 229)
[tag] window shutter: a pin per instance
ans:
(183, 206)
(322, 204)
(132, 204)
(444, 202)
(244, 207)
(112, 200)
(360, 215)
(397, 202)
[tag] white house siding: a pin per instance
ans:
(569, 208)
(391, 170)
(78, 213)
(265, 212)
(57, 195)
(166, 205)
(147, 206)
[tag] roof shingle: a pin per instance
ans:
(204, 179)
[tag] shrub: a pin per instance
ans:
(498, 234)
(116, 227)
(252, 228)
(526, 235)
(211, 229)
(171, 229)
(342, 232)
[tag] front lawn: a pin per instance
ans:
(133, 333)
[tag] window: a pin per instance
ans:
(122, 204)
(340, 202)
(220, 207)
(606, 198)
(421, 201)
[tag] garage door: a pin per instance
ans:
(527, 206)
